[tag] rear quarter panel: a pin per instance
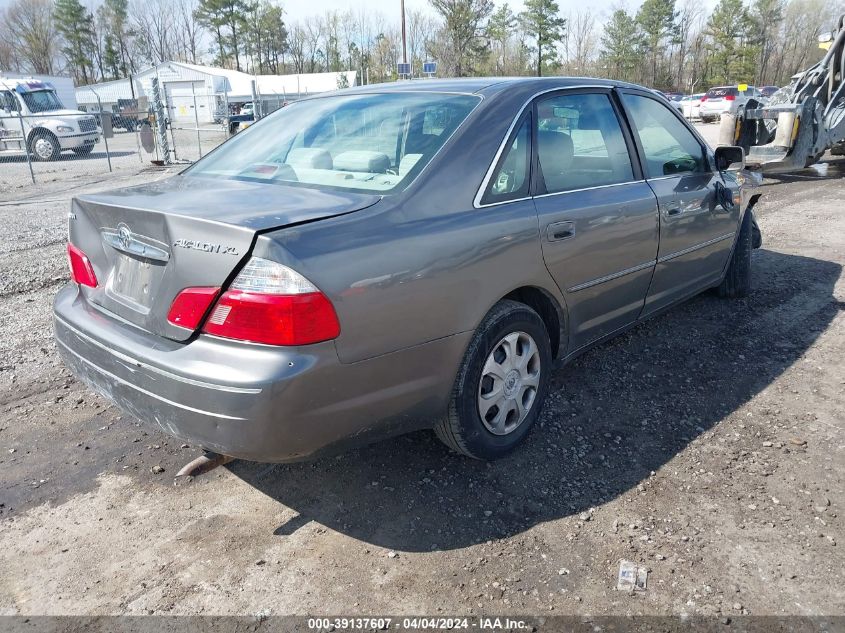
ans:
(423, 264)
(398, 281)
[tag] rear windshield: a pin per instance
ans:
(366, 142)
(722, 92)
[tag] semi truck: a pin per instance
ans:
(33, 120)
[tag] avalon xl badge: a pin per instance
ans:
(206, 247)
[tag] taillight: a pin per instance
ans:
(704, 98)
(273, 304)
(190, 306)
(81, 270)
(730, 98)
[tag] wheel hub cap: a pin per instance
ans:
(43, 148)
(509, 383)
(512, 384)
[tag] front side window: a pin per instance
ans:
(668, 145)
(580, 143)
(365, 142)
(510, 180)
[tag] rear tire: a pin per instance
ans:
(737, 281)
(506, 370)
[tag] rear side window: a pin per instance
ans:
(668, 146)
(580, 143)
(510, 179)
(717, 93)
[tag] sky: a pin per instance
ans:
(298, 9)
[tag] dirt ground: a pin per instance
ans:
(706, 445)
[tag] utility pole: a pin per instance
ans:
(404, 41)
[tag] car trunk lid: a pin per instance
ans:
(148, 243)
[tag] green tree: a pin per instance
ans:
(463, 30)
(656, 19)
(265, 35)
(75, 25)
(500, 28)
(732, 56)
(111, 58)
(621, 47)
(541, 19)
(225, 18)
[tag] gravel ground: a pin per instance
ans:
(705, 445)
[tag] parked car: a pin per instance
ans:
(381, 260)
(675, 103)
(690, 105)
(726, 99)
(33, 120)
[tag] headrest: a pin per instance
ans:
(362, 160)
(555, 150)
(407, 163)
(313, 157)
(588, 120)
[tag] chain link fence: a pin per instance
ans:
(65, 145)
(163, 128)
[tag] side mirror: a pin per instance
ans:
(730, 158)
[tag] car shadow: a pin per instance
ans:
(614, 415)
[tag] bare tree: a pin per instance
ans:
(582, 41)
(690, 23)
(31, 34)
(154, 30)
(188, 31)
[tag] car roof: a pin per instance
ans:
(479, 85)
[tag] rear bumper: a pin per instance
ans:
(714, 110)
(253, 401)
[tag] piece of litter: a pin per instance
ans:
(631, 577)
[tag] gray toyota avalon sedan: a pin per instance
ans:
(397, 257)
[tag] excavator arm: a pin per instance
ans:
(800, 122)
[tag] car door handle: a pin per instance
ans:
(674, 211)
(560, 231)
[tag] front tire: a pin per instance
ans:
(45, 147)
(501, 384)
(737, 281)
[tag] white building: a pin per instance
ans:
(204, 92)
(63, 85)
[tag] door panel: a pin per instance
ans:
(604, 267)
(695, 233)
(598, 220)
(696, 236)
